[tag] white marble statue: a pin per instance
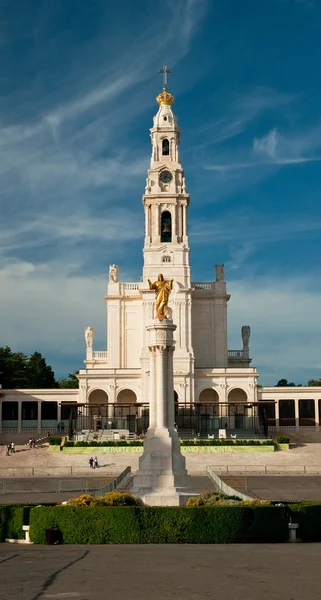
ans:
(113, 273)
(246, 332)
(219, 272)
(89, 336)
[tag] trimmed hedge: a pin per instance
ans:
(227, 442)
(282, 439)
(160, 525)
(268, 525)
(54, 440)
(308, 515)
(94, 443)
(12, 518)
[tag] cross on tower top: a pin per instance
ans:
(164, 70)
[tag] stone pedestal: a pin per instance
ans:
(162, 479)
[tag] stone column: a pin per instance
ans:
(19, 415)
(170, 389)
(277, 416)
(152, 391)
(184, 220)
(147, 223)
(162, 479)
(161, 395)
(58, 413)
(297, 416)
(157, 224)
(39, 417)
(316, 415)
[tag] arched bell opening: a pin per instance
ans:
(165, 147)
(166, 226)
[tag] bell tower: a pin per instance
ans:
(165, 199)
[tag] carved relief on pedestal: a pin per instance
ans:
(160, 336)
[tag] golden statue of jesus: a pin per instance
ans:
(162, 291)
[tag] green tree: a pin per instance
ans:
(13, 366)
(285, 383)
(314, 382)
(39, 374)
(71, 382)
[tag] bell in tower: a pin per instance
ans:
(166, 226)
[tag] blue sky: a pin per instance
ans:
(78, 86)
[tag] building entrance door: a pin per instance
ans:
(131, 423)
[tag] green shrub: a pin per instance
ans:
(282, 439)
(69, 443)
(268, 524)
(210, 499)
(54, 440)
(227, 442)
(308, 515)
(117, 499)
(111, 443)
(12, 518)
(97, 525)
(128, 525)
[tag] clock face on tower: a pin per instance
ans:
(165, 177)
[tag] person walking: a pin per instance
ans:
(13, 447)
(96, 465)
(8, 450)
(30, 443)
(91, 462)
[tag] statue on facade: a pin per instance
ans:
(162, 291)
(113, 273)
(219, 272)
(246, 332)
(89, 336)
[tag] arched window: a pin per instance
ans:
(165, 147)
(166, 226)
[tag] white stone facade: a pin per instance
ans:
(199, 310)
(204, 368)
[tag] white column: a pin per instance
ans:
(316, 414)
(161, 378)
(157, 224)
(277, 415)
(58, 413)
(296, 409)
(146, 221)
(170, 389)
(184, 220)
(19, 415)
(152, 390)
(39, 417)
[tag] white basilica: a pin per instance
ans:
(204, 368)
(214, 387)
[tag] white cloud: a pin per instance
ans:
(267, 144)
(45, 310)
(286, 328)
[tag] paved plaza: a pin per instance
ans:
(164, 572)
(41, 464)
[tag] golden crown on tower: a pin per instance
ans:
(165, 98)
